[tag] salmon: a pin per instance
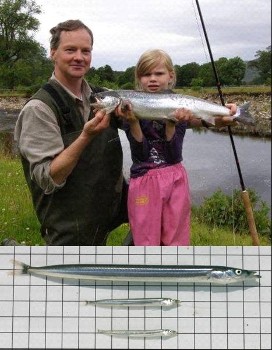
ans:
(162, 105)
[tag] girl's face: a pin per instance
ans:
(157, 79)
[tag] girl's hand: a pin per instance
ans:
(124, 110)
(227, 121)
(232, 107)
(183, 114)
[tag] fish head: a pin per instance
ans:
(170, 302)
(241, 275)
(168, 333)
(107, 101)
(232, 275)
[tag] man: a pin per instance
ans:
(72, 157)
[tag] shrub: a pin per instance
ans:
(223, 210)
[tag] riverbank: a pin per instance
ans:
(18, 220)
(260, 108)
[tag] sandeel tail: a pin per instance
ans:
(23, 268)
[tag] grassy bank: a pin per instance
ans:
(18, 219)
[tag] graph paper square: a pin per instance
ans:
(38, 312)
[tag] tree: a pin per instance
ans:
(16, 21)
(126, 79)
(206, 74)
(186, 73)
(17, 26)
(196, 83)
(263, 64)
(231, 71)
(106, 73)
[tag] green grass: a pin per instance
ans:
(17, 217)
(201, 235)
(18, 220)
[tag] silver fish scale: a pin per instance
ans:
(151, 271)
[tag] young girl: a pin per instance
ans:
(159, 198)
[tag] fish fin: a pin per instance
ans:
(243, 115)
(125, 105)
(23, 268)
(210, 119)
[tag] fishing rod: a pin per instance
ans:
(245, 195)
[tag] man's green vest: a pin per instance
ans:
(93, 200)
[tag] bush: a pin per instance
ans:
(128, 86)
(28, 91)
(223, 210)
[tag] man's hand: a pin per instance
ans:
(97, 124)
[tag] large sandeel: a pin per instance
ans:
(142, 273)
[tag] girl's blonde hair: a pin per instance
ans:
(150, 59)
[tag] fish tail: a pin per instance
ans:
(23, 268)
(244, 116)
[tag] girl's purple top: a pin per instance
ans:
(154, 151)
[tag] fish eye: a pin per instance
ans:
(238, 272)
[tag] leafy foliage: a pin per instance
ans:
(186, 73)
(263, 64)
(223, 210)
(19, 52)
(231, 71)
(16, 21)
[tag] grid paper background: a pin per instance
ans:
(38, 312)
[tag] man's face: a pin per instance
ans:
(73, 56)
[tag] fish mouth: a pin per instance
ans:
(254, 274)
(98, 99)
(97, 104)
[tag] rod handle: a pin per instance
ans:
(250, 218)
